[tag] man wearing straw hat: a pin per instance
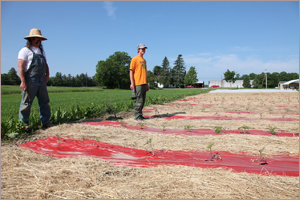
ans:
(139, 81)
(34, 74)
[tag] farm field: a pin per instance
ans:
(109, 158)
(66, 97)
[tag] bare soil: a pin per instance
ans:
(28, 175)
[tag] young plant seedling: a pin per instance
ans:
(218, 129)
(188, 127)
(115, 107)
(272, 130)
(149, 141)
(216, 156)
(244, 128)
(261, 158)
(141, 125)
(122, 123)
(163, 128)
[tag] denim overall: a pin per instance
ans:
(35, 79)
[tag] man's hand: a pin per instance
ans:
(23, 86)
(147, 88)
(132, 87)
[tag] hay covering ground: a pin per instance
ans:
(25, 174)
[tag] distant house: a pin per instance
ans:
(160, 85)
(223, 83)
(199, 84)
(292, 84)
(280, 85)
(196, 85)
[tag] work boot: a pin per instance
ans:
(28, 129)
(48, 125)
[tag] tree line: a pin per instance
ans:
(12, 78)
(259, 80)
(114, 72)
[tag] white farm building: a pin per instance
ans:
(223, 83)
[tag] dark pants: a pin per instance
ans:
(140, 100)
(35, 88)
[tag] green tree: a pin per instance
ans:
(57, 81)
(283, 76)
(179, 70)
(191, 77)
(293, 76)
(261, 80)
(157, 70)
(229, 76)
(114, 71)
(151, 79)
(165, 72)
(13, 78)
(252, 76)
(246, 82)
(172, 74)
(4, 79)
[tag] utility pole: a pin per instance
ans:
(266, 80)
(221, 81)
(86, 79)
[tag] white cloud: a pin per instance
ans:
(108, 5)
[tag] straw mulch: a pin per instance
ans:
(25, 174)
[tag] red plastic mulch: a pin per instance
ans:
(240, 162)
(232, 112)
(191, 131)
(219, 118)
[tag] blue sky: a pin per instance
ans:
(247, 37)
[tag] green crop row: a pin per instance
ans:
(15, 89)
(70, 107)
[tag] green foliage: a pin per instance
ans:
(245, 128)
(218, 129)
(15, 89)
(84, 105)
(114, 71)
(272, 129)
(151, 79)
(261, 158)
(191, 77)
(149, 141)
(216, 156)
(229, 77)
(163, 128)
(11, 78)
(246, 82)
(165, 72)
(12, 128)
(157, 70)
(188, 127)
(210, 145)
(71, 81)
(179, 70)
(141, 125)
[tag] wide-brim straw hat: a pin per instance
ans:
(35, 33)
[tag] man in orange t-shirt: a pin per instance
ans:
(139, 81)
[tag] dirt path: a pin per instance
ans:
(25, 174)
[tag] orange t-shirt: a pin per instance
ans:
(139, 67)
